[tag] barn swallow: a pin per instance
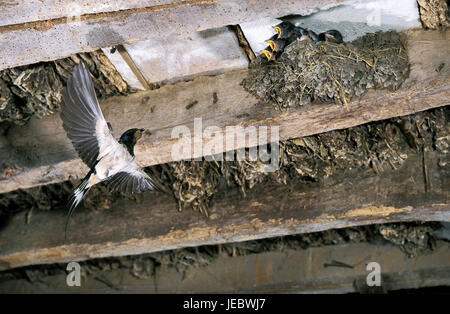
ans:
(271, 55)
(284, 29)
(109, 160)
(297, 33)
(288, 31)
(278, 45)
(309, 35)
(274, 37)
(331, 35)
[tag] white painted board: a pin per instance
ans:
(174, 58)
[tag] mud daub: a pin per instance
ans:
(377, 146)
(327, 72)
(413, 238)
(35, 90)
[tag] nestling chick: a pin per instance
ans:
(278, 44)
(310, 35)
(284, 29)
(271, 55)
(331, 35)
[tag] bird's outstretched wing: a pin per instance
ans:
(83, 119)
(91, 135)
(133, 180)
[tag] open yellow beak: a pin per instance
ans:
(267, 54)
(271, 43)
(278, 30)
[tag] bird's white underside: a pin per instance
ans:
(113, 156)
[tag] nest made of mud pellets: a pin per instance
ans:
(36, 89)
(307, 71)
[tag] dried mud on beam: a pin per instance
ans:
(40, 153)
(379, 146)
(309, 72)
(35, 90)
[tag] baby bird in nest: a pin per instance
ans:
(287, 33)
(332, 35)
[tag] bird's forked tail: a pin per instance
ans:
(76, 197)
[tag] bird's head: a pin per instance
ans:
(283, 28)
(322, 37)
(271, 43)
(130, 137)
(278, 29)
(270, 55)
(331, 35)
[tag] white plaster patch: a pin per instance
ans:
(356, 18)
(123, 68)
(353, 19)
(257, 32)
(179, 57)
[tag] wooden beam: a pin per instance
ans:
(40, 153)
(84, 27)
(154, 224)
(287, 271)
(23, 11)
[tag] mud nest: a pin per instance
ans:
(35, 90)
(327, 72)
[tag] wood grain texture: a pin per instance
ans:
(23, 11)
(40, 153)
(287, 271)
(154, 224)
(85, 28)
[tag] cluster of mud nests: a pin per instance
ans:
(327, 72)
(35, 90)
(376, 146)
(412, 238)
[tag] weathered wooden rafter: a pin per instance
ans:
(49, 30)
(296, 271)
(220, 101)
(356, 198)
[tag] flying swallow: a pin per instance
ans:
(109, 160)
